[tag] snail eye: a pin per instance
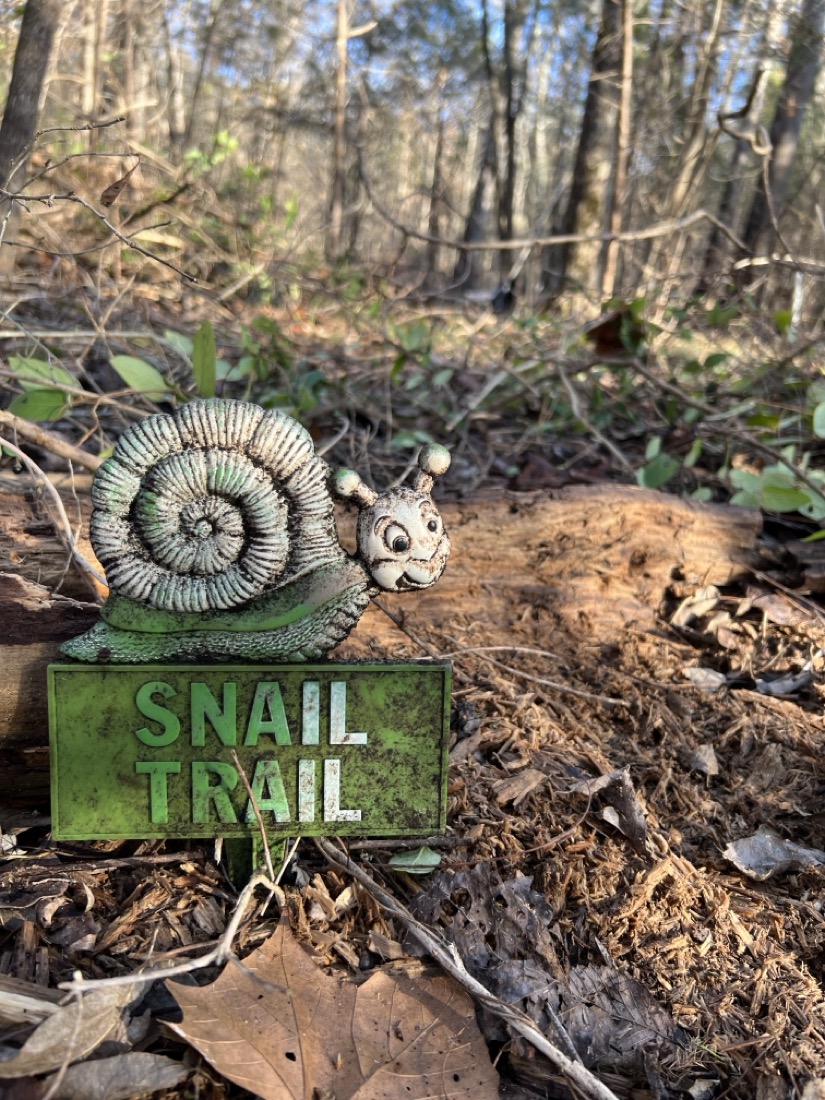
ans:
(397, 539)
(432, 525)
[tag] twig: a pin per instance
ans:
(220, 954)
(620, 457)
(70, 196)
(86, 395)
(565, 689)
(54, 496)
(409, 843)
(33, 433)
(449, 960)
(428, 649)
(674, 225)
(82, 126)
(257, 810)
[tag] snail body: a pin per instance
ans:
(216, 529)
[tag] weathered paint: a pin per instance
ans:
(147, 751)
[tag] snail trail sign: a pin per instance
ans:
(161, 750)
(216, 529)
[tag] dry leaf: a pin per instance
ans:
(26, 1003)
(112, 193)
(611, 1017)
(703, 759)
(627, 814)
(763, 855)
(70, 1034)
(279, 1026)
(120, 1078)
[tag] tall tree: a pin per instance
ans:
(26, 90)
(804, 62)
(337, 197)
(27, 87)
(588, 205)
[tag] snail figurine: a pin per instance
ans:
(216, 529)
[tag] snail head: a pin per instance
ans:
(401, 536)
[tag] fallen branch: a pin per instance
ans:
(448, 959)
(69, 196)
(33, 433)
(65, 528)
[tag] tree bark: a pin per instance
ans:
(24, 101)
(623, 129)
(589, 201)
(335, 239)
(804, 62)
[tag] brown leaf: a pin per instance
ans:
(278, 1025)
(112, 193)
(70, 1034)
(612, 1018)
(120, 1078)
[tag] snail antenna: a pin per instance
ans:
(347, 484)
(433, 461)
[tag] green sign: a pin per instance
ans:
(326, 749)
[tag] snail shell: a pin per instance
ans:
(208, 508)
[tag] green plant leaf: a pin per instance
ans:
(653, 448)
(782, 319)
(715, 358)
(745, 498)
(420, 861)
(721, 315)
(816, 536)
(771, 421)
(39, 405)
(819, 420)
(744, 479)
(660, 470)
(780, 498)
(204, 360)
(702, 494)
(141, 376)
(179, 340)
(692, 457)
(32, 373)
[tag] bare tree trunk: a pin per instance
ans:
(729, 211)
(206, 50)
(804, 61)
(335, 238)
(175, 110)
(437, 184)
(89, 85)
(623, 125)
(26, 92)
(127, 48)
(589, 201)
(467, 263)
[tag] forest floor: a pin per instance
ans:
(636, 834)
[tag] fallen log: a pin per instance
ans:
(592, 561)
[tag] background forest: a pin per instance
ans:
(547, 210)
(385, 134)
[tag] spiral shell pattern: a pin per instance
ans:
(208, 508)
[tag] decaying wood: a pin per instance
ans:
(593, 561)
